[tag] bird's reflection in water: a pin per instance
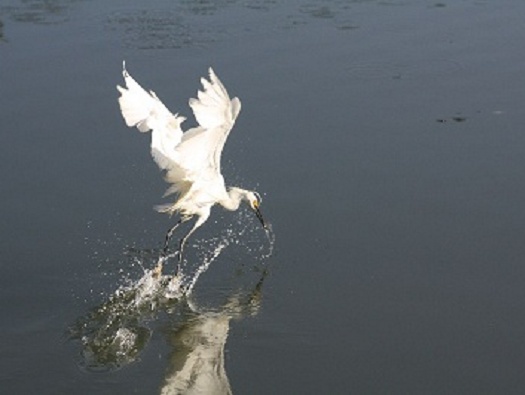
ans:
(115, 333)
(196, 364)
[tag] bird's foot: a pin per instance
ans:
(178, 270)
(157, 271)
(175, 288)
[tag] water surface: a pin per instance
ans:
(386, 139)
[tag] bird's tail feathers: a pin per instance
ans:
(174, 189)
(168, 208)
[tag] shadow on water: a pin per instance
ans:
(115, 333)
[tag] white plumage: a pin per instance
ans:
(191, 159)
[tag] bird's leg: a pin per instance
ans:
(183, 242)
(198, 223)
(170, 232)
(179, 256)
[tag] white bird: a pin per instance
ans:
(191, 160)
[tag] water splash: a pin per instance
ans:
(241, 233)
(205, 265)
(271, 240)
(114, 333)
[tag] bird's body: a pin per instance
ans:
(191, 159)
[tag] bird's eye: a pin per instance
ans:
(255, 203)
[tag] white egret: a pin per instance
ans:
(191, 160)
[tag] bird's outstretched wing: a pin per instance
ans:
(198, 154)
(145, 111)
(191, 156)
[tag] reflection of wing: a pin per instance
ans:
(197, 366)
(197, 362)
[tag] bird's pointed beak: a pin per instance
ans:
(258, 213)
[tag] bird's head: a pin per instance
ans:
(254, 200)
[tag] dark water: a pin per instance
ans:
(387, 140)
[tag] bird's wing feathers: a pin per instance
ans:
(213, 107)
(198, 154)
(145, 111)
(195, 155)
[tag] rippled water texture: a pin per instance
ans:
(386, 140)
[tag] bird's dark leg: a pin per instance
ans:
(164, 255)
(181, 247)
(170, 232)
(182, 243)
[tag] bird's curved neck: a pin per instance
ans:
(233, 198)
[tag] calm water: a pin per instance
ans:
(387, 140)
